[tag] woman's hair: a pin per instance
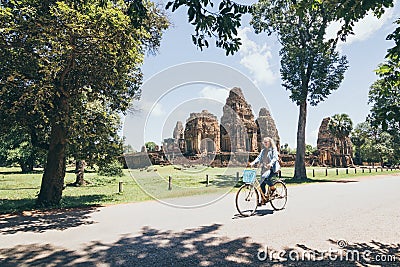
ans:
(271, 141)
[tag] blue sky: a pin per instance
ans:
(258, 59)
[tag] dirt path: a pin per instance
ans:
(363, 216)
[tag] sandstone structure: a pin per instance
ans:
(238, 128)
(266, 128)
(238, 132)
(333, 151)
(202, 133)
(178, 131)
(178, 135)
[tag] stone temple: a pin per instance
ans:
(332, 151)
(202, 134)
(238, 131)
(238, 127)
(266, 128)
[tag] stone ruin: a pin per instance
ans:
(333, 151)
(178, 135)
(204, 140)
(266, 128)
(238, 131)
(238, 128)
(202, 133)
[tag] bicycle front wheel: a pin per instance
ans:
(279, 197)
(247, 200)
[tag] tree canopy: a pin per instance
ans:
(384, 94)
(340, 125)
(221, 23)
(59, 56)
(373, 144)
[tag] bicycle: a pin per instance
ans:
(249, 196)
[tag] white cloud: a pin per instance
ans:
(217, 94)
(256, 58)
(152, 109)
(363, 29)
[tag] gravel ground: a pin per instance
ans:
(353, 223)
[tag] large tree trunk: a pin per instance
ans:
(80, 171)
(54, 172)
(300, 165)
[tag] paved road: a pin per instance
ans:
(363, 216)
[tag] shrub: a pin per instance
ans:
(111, 169)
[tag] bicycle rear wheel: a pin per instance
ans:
(279, 197)
(246, 200)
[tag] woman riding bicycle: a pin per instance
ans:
(269, 163)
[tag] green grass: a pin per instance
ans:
(19, 191)
(340, 175)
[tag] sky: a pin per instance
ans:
(171, 92)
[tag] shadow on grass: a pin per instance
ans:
(20, 172)
(191, 247)
(224, 181)
(291, 180)
(86, 171)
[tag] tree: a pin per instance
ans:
(358, 140)
(376, 145)
(16, 147)
(150, 146)
(53, 52)
(340, 125)
(310, 150)
(384, 97)
(94, 139)
(311, 68)
(129, 149)
(384, 93)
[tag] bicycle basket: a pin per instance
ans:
(249, 176)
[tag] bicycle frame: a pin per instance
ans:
(265, 197)
(257, 186)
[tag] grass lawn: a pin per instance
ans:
(19, 191)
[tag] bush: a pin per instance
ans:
(111, 169)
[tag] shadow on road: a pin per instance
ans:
(263, 212)
(13, 205)
(41, 221)
(192, 247)
(259, 212)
